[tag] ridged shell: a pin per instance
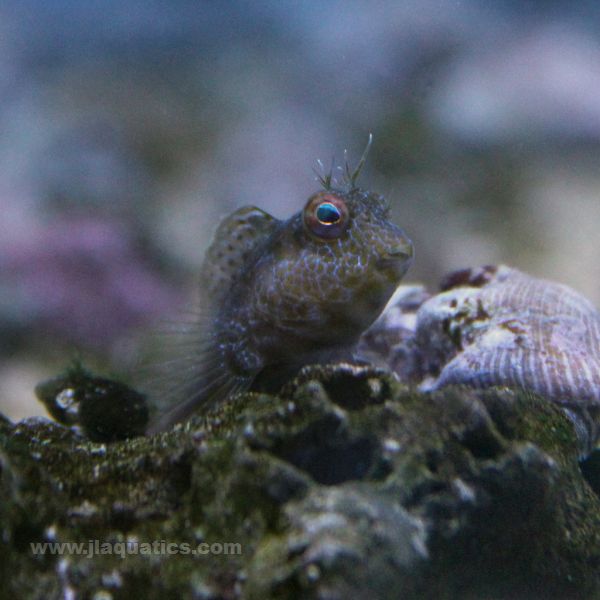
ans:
(497, 326)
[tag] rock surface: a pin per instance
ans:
(345, 485)
(496, 326)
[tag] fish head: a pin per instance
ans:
(339, 260)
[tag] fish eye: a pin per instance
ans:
(326, 216)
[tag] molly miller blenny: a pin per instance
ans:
(292, 292)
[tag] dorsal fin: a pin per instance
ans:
(196, 373)
(234, 240)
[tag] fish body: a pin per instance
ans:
(288, 292)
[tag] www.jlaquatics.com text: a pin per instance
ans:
(156, 547)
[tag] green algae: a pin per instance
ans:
(345, 484)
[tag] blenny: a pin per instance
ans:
(288, 292)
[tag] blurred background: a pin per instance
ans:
(128, 128)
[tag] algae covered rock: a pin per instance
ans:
(345, 484)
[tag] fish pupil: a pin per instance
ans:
(328, 213)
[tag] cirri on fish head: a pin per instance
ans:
(280, 292)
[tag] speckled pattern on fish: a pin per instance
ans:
(296, 291)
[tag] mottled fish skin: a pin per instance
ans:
(289, 291)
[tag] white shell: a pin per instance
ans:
(497, 326)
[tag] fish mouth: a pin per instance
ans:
(397, 259)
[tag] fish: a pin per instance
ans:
(280, 293)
